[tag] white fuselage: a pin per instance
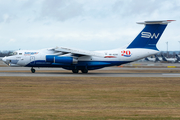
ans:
(38, 57)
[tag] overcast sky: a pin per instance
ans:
(83, 24)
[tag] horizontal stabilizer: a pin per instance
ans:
(156, 22)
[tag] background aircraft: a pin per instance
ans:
(178, 58)
(155, 59)
(75, 59)
(172, 60)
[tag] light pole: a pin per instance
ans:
(179, 46)
(167, 49)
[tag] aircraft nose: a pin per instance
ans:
(4, 60)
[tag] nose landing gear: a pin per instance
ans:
(33, 70)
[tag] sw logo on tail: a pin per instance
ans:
(149, 35)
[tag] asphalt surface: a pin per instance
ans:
(22, 74)
(106, 72)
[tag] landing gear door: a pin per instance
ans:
(32, 60)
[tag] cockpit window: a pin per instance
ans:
(11, 53)
(14, 53)
(20, 53)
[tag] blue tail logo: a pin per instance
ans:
(149, 35)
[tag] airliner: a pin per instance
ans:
(172, 60)
(178, 58)
(82, 60)
(155, 59)
(163, 59)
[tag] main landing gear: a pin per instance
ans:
(33, 70)
(77, 71)
(84, 70)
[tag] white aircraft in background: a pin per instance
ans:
(75, 59)
(159, 58)
(155, 59)
(163, 59)
(178, 58)
(151, 59)
(172, 60)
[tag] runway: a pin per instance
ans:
(23, 74)
(134, 69)
(106, 72)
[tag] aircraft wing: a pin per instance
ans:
(77, 52)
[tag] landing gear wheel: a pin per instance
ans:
(75, 70)
(33, 70)
(84, 70)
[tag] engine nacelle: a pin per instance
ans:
(62, 59)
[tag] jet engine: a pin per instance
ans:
(61, 59)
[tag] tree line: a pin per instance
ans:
(5, 53)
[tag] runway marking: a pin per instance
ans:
(171, 74)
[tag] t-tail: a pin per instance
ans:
(150, 35)
(156, 58)
(146, 59)
(163, 58)
(178, 58)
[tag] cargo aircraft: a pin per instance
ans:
(82, 60)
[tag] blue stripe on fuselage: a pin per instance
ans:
(89, 64)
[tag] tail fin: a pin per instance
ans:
(163, 58)
(150, 35)
(146, 59)
(178, 58)
(157, 59)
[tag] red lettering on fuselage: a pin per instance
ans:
(125, 53)
(110, 57)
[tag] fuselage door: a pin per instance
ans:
(32, 60)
